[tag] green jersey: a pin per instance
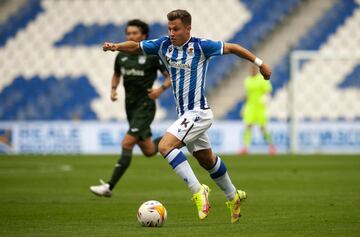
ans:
(256, 88)
(139, 73)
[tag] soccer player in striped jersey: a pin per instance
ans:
(186, 59)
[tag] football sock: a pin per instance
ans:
(221, 177)
(120, 167)
(247, 137)
(182, 168)
(267, 137)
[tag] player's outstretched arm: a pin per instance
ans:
(236, 49)
(126, 47)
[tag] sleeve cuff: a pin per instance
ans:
(222, 48)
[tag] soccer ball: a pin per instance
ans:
(151, 214)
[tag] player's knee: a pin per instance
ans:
(149, 153)
(164, 147)
(205, 158)
(128, 145)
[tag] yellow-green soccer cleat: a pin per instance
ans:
(234, 205)
(201, 200)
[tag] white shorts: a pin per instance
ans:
(191, 129)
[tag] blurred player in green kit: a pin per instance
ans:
(254, 112)
(139, 72)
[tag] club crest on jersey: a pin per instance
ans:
(190, 51)
(142, 59)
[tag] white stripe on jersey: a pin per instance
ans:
(187, 79)
(200, 76)
(179, 57)
(187, 69)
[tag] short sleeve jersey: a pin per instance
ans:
(187, 65)
(139, 73)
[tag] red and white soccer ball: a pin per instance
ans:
(152, 214)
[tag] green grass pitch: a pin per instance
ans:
(287, 196)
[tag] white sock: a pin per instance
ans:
(221, 177)
(181, 166)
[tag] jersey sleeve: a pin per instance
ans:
(117, 64)
(151, 47)
(212, 48)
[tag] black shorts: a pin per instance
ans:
(140, 117)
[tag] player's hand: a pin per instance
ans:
(265, 70)
(154, 93)
(113, 95)
(109, 46)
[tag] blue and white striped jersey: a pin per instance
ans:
(187, 66)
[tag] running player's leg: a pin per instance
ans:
(138, 127)
(175, 137)
(105, 189)
(183, 131)
(142, 121)
(169, 148)
(202, 151)
(127, 144)
(149, 147)
(123, 163)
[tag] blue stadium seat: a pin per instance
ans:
(48, 98)
(352, 80)
(19, 20)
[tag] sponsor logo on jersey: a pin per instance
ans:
(177, 64)
(180, 65)
(132, 72)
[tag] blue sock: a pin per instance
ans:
(221, 177)
(181, 166)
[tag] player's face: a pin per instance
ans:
(178, 32)
(133, 33)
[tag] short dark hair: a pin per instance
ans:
(144, 28)
(183, 15)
